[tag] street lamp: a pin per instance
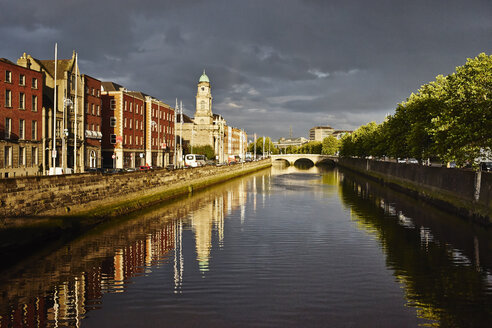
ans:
(67, 102)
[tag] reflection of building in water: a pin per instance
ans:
(201, 222)
(178, 256)
(70, 300)
(211, 217)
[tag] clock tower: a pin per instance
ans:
(203, 114)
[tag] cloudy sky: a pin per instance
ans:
(272, 64)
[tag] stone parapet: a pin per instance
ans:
(95, 194)
(462, 191)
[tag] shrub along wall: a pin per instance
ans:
(465, 192)
(93, 194)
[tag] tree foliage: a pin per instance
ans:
(330, 145)
(269, 147)
(449, 119)
(206, 150)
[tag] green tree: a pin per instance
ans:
(330, 145)
(206, 150)
(464, 124)
(269, 147)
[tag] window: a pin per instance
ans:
(22, 129)
(7, 160)
(98, 93)
(98, 111)
(125, 123)
(8, 76)
(98, 128)
(8, 127)
(131, 123)
(34, 103)
(34, 84)
(136, 140)
(34, 156)
(22, 100)
(92, 109)
(22, 79)
(22, 156)
(8, 98)
(34, 130)
(130, 137)
(125, 106)
(112, 121)
(112, 138)
(113, 104)
(131, 107)
(58, 128)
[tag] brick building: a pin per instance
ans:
(92, 122)
(159, 137)
(21, 120)
(130, 139)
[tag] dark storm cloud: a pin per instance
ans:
(272, 64)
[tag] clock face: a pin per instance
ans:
(203, 88)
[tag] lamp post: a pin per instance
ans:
(66, 103)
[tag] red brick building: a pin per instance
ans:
(160, 133)
(92, 122)
(123, 127)
(21, 120)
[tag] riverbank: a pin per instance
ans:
(42, 213)
(102, 195)
(462, 192)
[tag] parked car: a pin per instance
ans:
(412, 161)
(144, 167)
(486, 166)
(401, 160)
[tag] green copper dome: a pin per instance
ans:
(204, 78)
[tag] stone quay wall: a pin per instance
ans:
(95, 194)
(462, 191)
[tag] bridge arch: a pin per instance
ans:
(314, 158)
(304, 162)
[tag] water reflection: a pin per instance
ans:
(440, 260)
(285, 247)
(60, 289)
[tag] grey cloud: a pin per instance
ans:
(272, 64)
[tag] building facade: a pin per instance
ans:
(136, 129)
(207, 128)
(318, 133)
(159, 136)
(21, 120)
(66, 154)
(92, 123)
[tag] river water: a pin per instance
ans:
(284, 247)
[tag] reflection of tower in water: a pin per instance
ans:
(201, 222)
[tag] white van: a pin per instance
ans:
(194, 160)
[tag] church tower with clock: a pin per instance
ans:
(203, 114)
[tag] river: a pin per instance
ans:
(284, 247)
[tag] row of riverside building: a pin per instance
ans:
(96, 124)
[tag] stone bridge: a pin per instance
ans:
(315, 158)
